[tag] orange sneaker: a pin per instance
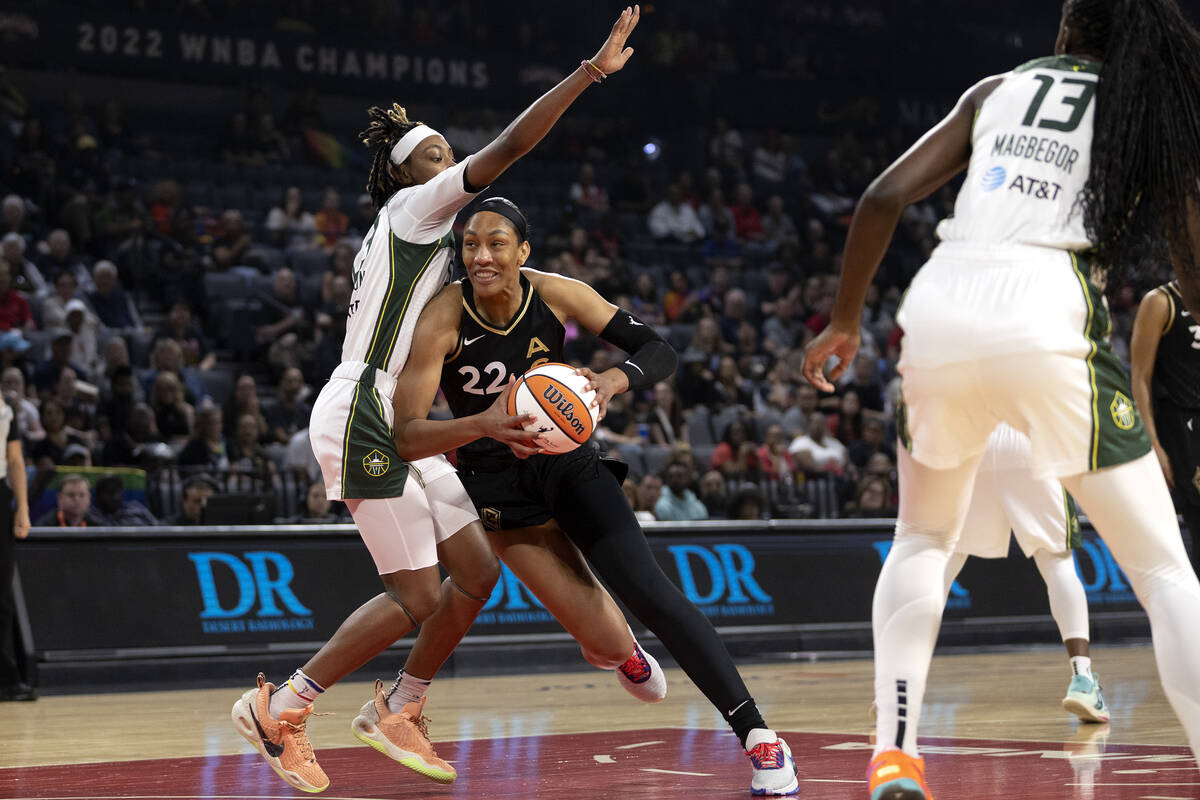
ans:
(282, 742)
(402, 737)
(895, 775)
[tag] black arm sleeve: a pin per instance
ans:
(650, 360)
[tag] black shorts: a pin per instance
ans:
(512, 493)
(1179, 433)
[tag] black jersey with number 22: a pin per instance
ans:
(486, 355)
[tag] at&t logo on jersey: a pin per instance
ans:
(376, 464)
(566, 409)
(993, 179)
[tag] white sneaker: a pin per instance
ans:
(774, 770)
(642, 677)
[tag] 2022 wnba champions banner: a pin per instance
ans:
(216, 590)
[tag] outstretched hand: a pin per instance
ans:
(613, 53)
(605, 385)
(497, 424)
(831, 342)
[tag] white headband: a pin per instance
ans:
(409, 141)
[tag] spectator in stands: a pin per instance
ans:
(674, 220)
(244, 400)
(289, 226)
(78, 400)
(14, 219)
(366, 215)
(649, 490)
(734, 311)
(51, 450)
(232, 242)
(713, 212)
(873, 440)
(866, 383)
(846, 424)
(14, 308)
(76, 456)
(110, 302)
(665, 418)
(270, 146)
(677, 502)
(207, 447)
(290, 411)
(137, 445)
(731, 388)
(778, 228)
(174, 417)
(318, 510)
(581, 260)
(774, 459)
(196, 491)
(114, 509)
(795, 419)
(238, 147)
(247, 457)
(714, 494)
(332, 224)
(769, 161)
(871, 499)
(54, 305)
(726, 147)
(747, 221)
(12, 383)
(341, 265)
(585, 193)
(645, 304)
(167, 356)
(61, 258)
(193, 344)
(25, 276)
(85, 336)
(74, 506)
(46, 375)
(282, 319)
(816, 450)
(747, 504)
(680, 303)
(122, 221)
(165, 197)
(736, 456)
(120, 397)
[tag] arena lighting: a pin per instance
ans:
(652, 149)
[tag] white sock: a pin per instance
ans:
(297, 692)
(1081, 665)
(407, 689)
(759, 736)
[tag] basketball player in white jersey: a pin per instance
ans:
(1094, 149)
(411, 516)
(1042, 518)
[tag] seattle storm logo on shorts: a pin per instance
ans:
(1122, 412)
(376, 463)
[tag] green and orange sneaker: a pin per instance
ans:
(402, 737)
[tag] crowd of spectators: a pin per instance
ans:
(146, 323)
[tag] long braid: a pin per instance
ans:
(384, 130)
(1145, 167)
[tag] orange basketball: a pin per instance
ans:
(556, 397)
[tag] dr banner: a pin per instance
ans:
(221, 590)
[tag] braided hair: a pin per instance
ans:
(384, 130)
(1145, 167)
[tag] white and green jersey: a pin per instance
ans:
(1030, 154)
(404, 260)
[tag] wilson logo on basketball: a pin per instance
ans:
(565, 409)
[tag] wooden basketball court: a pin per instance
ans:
(992, 727)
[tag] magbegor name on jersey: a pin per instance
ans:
(1043, 149)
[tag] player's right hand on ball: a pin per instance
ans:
(498, 424)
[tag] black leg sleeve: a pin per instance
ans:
(593, 511)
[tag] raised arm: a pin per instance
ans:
(938, 156)
(650, 358)
(536, 121)
(416, 437)
(1153, 315)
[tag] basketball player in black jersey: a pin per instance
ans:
(1165, 350)
(546, 514)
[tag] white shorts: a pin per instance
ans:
(1013, 334)
(1007, 497)
(402, 510)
